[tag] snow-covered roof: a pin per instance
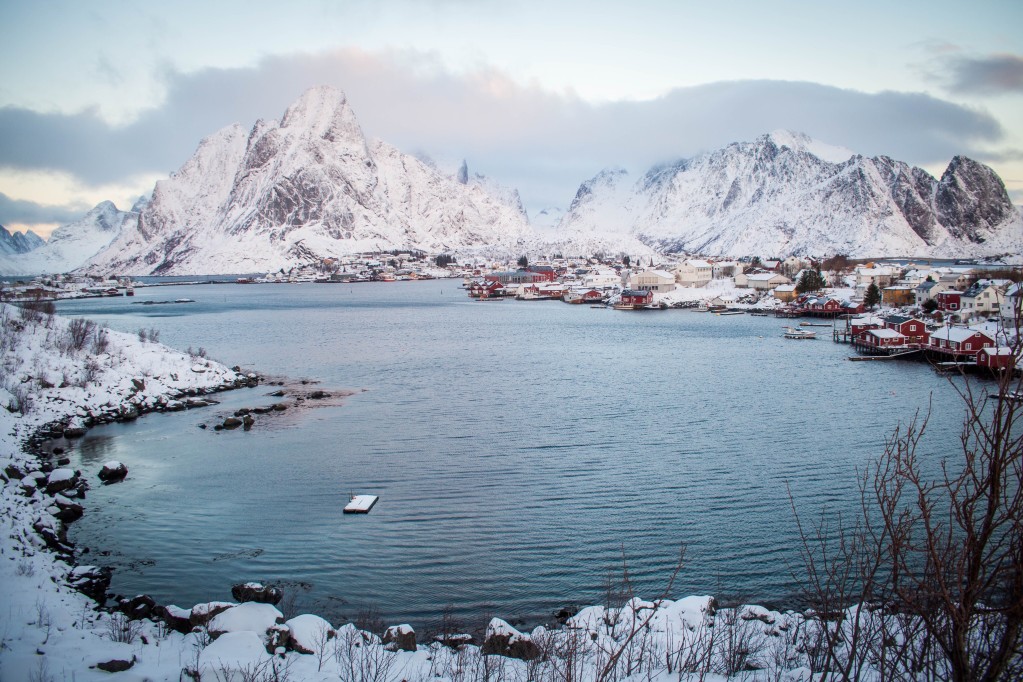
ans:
(885, 333)
(958, 334)
(763, 276)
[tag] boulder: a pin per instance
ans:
(116, 665)
(504, 640)
(232, 423)
(248, 421)
(92, 581)
(13, 472)
(248, 617)
(400, 638)
(60, 480)
(139, 384)
(68, 511)
(138, 607)
(318, 395)
(176, 618)
(201, 614)
(256, 592)
(278, 407)
(113, 471)
(309, 634)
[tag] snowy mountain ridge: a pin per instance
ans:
(785, 193)
(311, 186)
(69, 245)
(306, 188)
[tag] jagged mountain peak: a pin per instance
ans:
(323, 112)
(307, 188)
(786, 193)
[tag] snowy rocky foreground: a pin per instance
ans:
(63, 375)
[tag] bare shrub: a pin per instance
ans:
(100, 341)
(943, 556)
(151, 335)
(37, 310)
(121, 628)
(78, 332)
(359, 658)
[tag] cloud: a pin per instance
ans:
(21, 212)
(998, 74)
(543, 143)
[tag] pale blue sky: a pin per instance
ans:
(98, 99)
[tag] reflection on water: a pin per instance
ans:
(518, 450)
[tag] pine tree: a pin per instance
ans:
(810, 280)
(872, 296)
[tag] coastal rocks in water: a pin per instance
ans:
(256, 592)
(74, 431)
(60, 480)
(68, 511)
(176, 618)
(138, 607)
(116, 665)
(309, 633)
(92, 581)
(231, 423)
(400, 638)
(504, 640)
(278, 407)
(113, 471)
(248, 421)
(563, 614)
(318, 395)
(202, 613)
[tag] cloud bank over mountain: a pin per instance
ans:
(539, 141)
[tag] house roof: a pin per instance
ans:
(764, 276)
(885, 333)
(958, 334)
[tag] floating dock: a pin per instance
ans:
(360, 504)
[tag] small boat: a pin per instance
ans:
(815, 324)
(360, 504)
(732, 312)
(793, 333)
(759, 313)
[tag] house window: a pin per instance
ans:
(967, 346)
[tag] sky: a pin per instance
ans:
(100, 99)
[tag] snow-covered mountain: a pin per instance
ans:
(70, 245)
(785, 193)
(308, 187)
(14, 243)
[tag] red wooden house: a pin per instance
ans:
(957, 341)
(949, 301)
(913, 329)
(636, 298)
(996, 358)
(882, 338)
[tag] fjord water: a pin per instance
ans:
(519, 450)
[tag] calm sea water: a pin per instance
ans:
(519, 449)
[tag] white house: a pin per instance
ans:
(762, 281)
(982, 299)
(694, 273)
(1012, 304)
(652, 280)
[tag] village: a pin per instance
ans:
(954, 315)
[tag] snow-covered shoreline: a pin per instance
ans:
(61, 376)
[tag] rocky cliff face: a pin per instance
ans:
(308, 187)
(785, 193)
